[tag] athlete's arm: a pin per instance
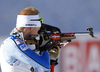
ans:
(13, 53)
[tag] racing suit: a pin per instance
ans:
(14, 50)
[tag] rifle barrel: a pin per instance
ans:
(82, 33)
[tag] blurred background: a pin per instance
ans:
(69, 16)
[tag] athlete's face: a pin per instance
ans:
(30, 31)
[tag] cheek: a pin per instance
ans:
(27, 32)
(36, 29)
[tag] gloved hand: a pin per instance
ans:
(47, 46)
(54, 53)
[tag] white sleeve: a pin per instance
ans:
(12, 53)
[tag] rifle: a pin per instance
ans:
(57, 42)
(60, 37)
(52, 38)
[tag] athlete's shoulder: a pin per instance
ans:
(8, 41)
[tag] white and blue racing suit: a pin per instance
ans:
(15, 49)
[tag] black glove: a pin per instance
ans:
(54, 62)
(47, 46)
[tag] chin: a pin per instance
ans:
(34, 34)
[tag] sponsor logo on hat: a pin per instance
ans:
(31, 25)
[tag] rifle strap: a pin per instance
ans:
(52, 68)
(53, 64)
